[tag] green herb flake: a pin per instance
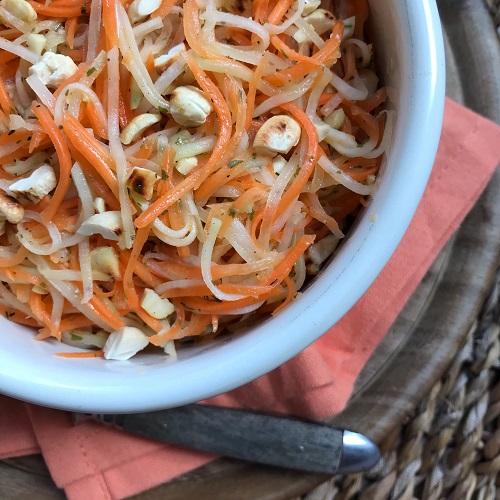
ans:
(164, 175)
(178, 141)
(233, 163)
(83, 10)
(251, 215)
(75, 338)
(232, 212)
(162, 110)
(90, 71)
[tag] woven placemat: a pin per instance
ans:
(451, 447)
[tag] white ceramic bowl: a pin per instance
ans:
(410, 53)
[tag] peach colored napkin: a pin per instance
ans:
(93, 461)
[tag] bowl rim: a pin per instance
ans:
(238, 362)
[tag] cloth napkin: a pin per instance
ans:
(94, 461)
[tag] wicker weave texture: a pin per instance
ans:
(450, 449)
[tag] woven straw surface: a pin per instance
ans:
(451, 447)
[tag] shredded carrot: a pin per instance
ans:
(61, 9)
(87, 145)
(279, 10)
(5, 100)
(329, 53)
(16, 259)
(75, 321)
(153, 323)
(71, 25)
(109, 22)
(204, 306)
(128, 286)
(290, 53)
(36, 140)
(5, 58)
(290, 286)
(161, 338)
(101, 189)
(98, 127)
(308, 166)
(164, 9)
(284, 267)
(373, 101)
(81, 355)
(43, 115)
(324, 98)
(252, 89)
(105, 314)
(260, 10)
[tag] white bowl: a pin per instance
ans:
(410, 53)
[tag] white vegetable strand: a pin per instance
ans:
(94, 29)
(206, 262)
(115, 145)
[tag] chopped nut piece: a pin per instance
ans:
(277, 135)
(155, 306)
(162, 62)
(185, 165)
(318, 252)
(189, 106)
(321, 21)
(107, 224)
(54, 69)
(36, 43)
(335, 119)
(10, 209)
(139, 9)
(39, 184)
(105, 260)
(21, 9)
(142, 181)
(125, 343)
(137, 126)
